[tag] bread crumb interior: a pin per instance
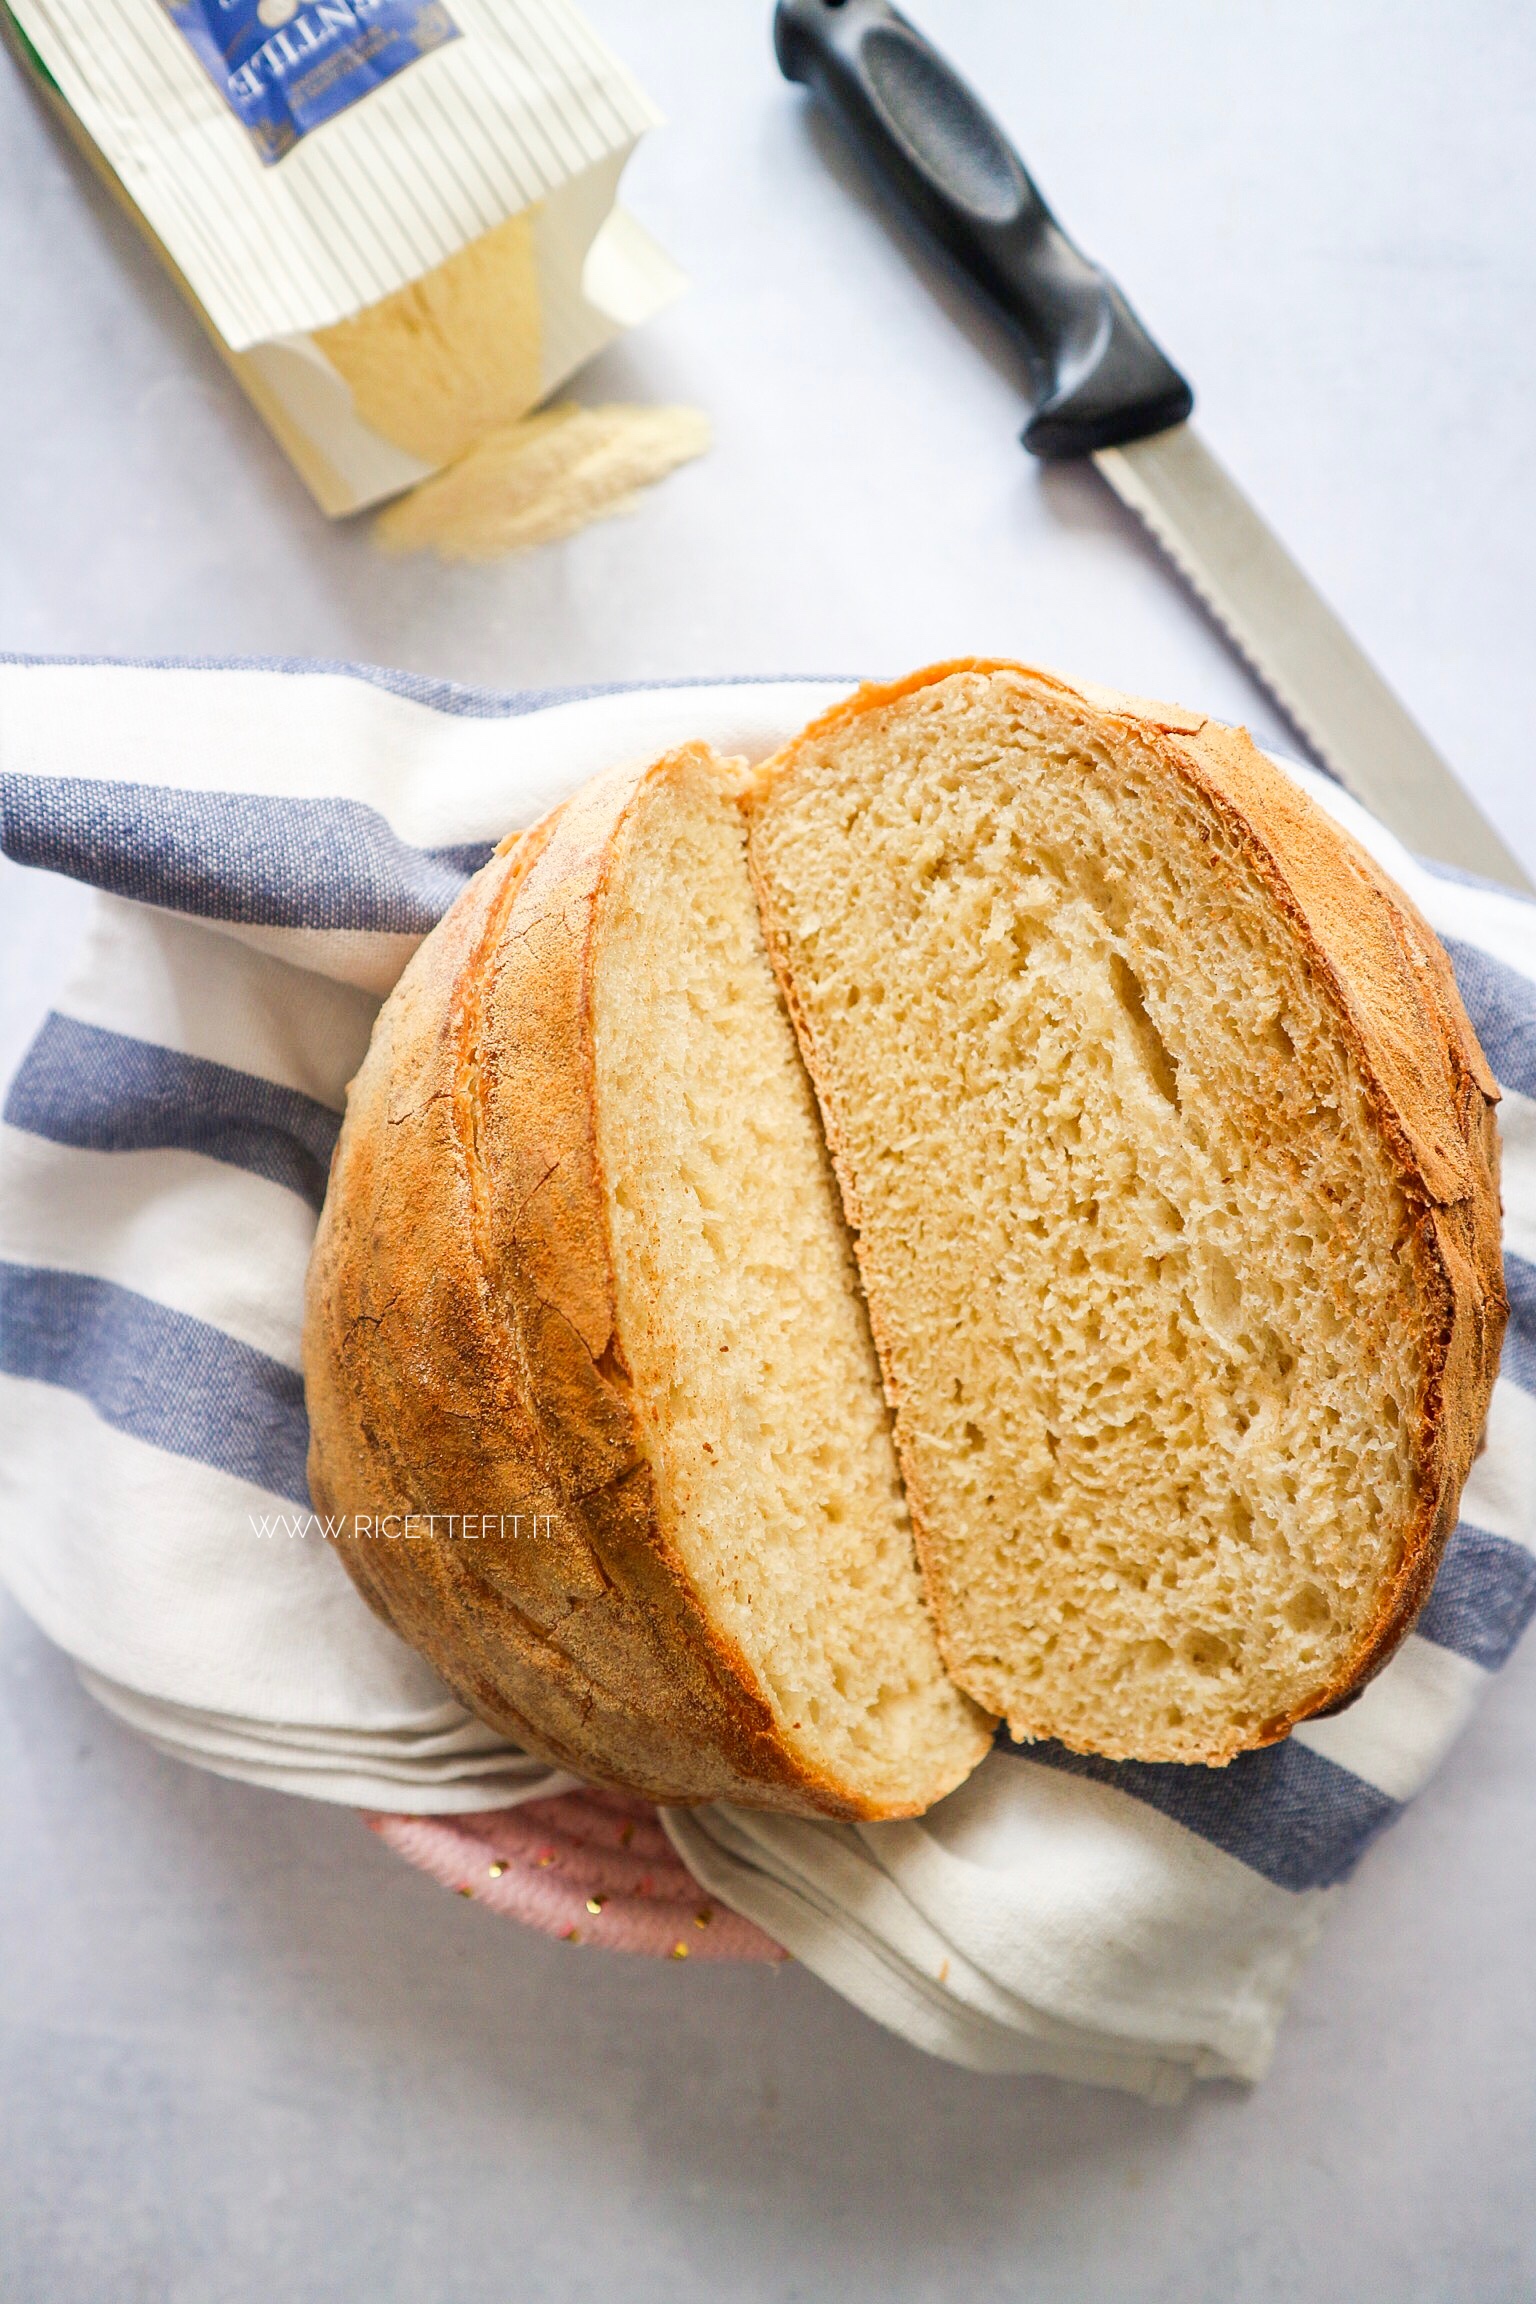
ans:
(1136, 1255)
(739, 1316)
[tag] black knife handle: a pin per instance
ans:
(1098, 377)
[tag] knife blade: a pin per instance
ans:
(1103, 390)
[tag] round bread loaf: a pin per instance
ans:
(1164, 1163)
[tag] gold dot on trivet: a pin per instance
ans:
(495, 1870)
(703, 1918)
(466, 1891)
(595, 1903)
(571, 1936)
(679, 1951)
(541, 1861)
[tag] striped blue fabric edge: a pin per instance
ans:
(1286, 1812)
(1483, 1598)
(102, 1091)
(161, 1376)
(1502, 1005)
(238, 857)
(1464, 879)
(1519, 1361)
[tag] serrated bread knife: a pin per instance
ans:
(1103, 389)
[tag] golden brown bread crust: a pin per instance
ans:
(460, 1351)
(461, 1358)
(1425, 1077)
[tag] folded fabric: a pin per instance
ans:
(271, 843)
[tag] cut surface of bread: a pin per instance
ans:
(1170, 1159)
(583, 1267)
(739, 1316)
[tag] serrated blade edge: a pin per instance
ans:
(1299, 650)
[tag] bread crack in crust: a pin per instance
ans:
(1170, 1158)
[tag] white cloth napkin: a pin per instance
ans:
(271, 843)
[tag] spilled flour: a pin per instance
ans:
(545, 477)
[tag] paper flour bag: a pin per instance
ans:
(396, 217)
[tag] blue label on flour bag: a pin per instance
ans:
(286, 66)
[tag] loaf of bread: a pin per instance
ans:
(1169, 1155)
(583, 1306)
(1161, 1153)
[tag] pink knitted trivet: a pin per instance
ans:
(591, 1867)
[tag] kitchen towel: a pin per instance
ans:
(271, 842)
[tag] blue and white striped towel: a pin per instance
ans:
(271, 842)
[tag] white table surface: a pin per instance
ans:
(244, 2053)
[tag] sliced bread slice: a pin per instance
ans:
(583, 1305)
(1170, 1158)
